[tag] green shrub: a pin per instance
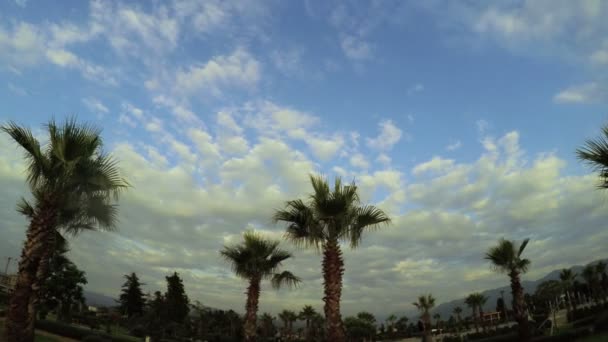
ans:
(74, 332)
(570, 335)
(601, 322)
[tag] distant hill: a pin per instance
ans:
(445, 309)
(98, 299)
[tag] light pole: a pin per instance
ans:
(8, 261)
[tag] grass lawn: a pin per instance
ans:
(39, 338)
(595, 338)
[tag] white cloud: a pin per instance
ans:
(288, 61)
(436, 164)
(356, 48)
(600, 57)
(325, 149)
(454, 146)
(131, 29)
(127, 120)
(359, 161)
(389, 135)
(582, 93)
(416, 88)
(448, 218)
(95, 106)
(21, 3)
(179, 111)
(561, 29)
(226, 120)
(22, 46)
(62, 57)
(384, 159)
(239, 69)
(482, 126)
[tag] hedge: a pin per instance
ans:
(77, 333)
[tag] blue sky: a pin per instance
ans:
(459, 118)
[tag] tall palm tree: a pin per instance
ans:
(73, 185)
(506, 258)
(424, 304)
(327, 217)
(595, 154)
(307, 314)
(457, 311)
(254, 260)
(567, 277)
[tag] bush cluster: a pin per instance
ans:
(585, 312)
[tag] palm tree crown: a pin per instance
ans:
(257, 257)
(595, 154)
(329, 215)
(567, 277)
(506, 256)
(425, 303)
(72, 174)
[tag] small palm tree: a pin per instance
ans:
(457, 311)
(437, 318)
(267, 324)
(307, 314)
(600, 269)
(506, 258)
(390, 323)
(73, 184)
(326, 218)
(473, 301)
(255, 259)
(288, 317)
(424, 304)
(567, 277)
(402, 324)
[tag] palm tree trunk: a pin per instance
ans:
(428, 327)
(308, 332)
(41, 274)
(475, 320)
(519, 307)
(333, 269)
(22, 310)
(253, 295)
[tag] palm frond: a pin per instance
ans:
(25, 208)
(595, 154)
(36, 162)
(285, 278)
(522, 247)
(366, 217)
